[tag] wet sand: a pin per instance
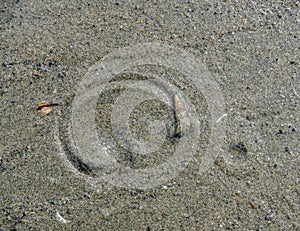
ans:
(251, 49)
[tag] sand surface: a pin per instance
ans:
(251, 48)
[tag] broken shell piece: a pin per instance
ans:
(182, 119)
(45, 108)
(61, 219)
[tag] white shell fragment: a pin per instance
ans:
(61, 219)
(182, 119)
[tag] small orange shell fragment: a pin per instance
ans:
(44, 108)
